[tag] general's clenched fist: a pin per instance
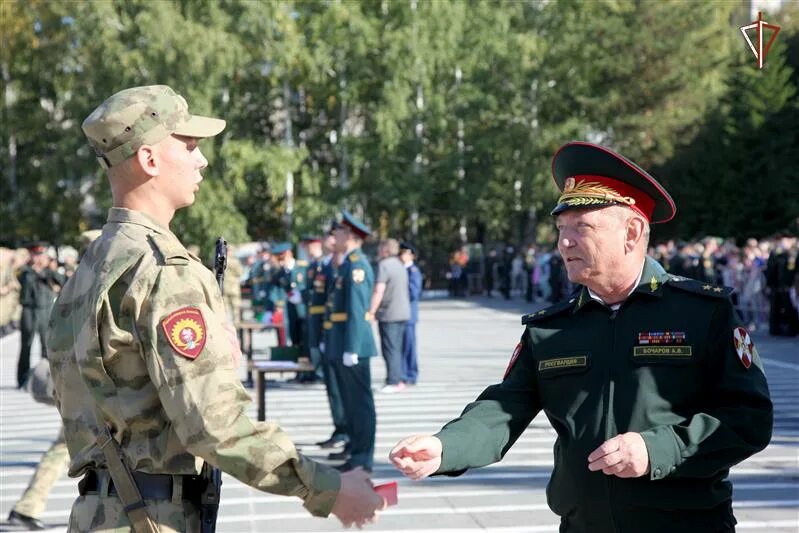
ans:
(624, 455)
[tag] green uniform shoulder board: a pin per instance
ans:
(549, 311)
(699, 287)
(354, 257)
(302, 263)
(172, 252)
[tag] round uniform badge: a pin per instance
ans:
(744, 346)
(513, 359)
(185, 331)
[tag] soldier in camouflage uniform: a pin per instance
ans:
(52, 466)
(53, 463)
(139, 346)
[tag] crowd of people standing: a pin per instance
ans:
(762, 273)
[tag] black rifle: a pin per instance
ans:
(220, 263)
(209, 501)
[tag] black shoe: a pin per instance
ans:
(343, 455)
(346, 467)
(19, 519)
(333, 441)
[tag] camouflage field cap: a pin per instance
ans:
(142, 115)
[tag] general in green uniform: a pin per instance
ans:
(144, 366)
(349, 342)
(652, 384)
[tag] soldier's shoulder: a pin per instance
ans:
(693, 286)
(169, 250)
(302, 263)
(555, 309)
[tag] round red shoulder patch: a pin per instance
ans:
(744, 346)
(513, 359)
(185, 331)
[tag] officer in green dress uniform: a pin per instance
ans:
(321, 276)
(349, 343)
(260, 276)
(651, 382)
(286, 289)
(312, 247)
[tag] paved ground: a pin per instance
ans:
(464, 345)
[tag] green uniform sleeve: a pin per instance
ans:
(735, 423)
(358, 292)
(206, 403)
(490, 425)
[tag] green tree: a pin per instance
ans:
(737, 178)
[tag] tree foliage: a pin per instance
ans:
(434, 120)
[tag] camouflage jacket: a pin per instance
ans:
(138, 330)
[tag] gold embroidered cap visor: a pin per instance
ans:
(137, 116)
(590, 176)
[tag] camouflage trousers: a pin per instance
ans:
(94, 512)
(52, 466)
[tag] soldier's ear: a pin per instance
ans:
(147, 160)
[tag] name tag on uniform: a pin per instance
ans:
(577, 361)
(662, 351)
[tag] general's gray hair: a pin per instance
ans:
(624, 214)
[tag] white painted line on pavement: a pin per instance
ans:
(400, 511)
(474, 510)
(748, 504)
(764, 486)
(773, 362)
(767, 524)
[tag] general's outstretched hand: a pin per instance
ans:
(417, 456)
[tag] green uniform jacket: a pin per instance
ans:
(319, 280)
(664, 365)
(283, 282)
(347, 326)
(259, 279)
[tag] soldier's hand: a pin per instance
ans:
(357, 502)
(418, 456)
(624, 455)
